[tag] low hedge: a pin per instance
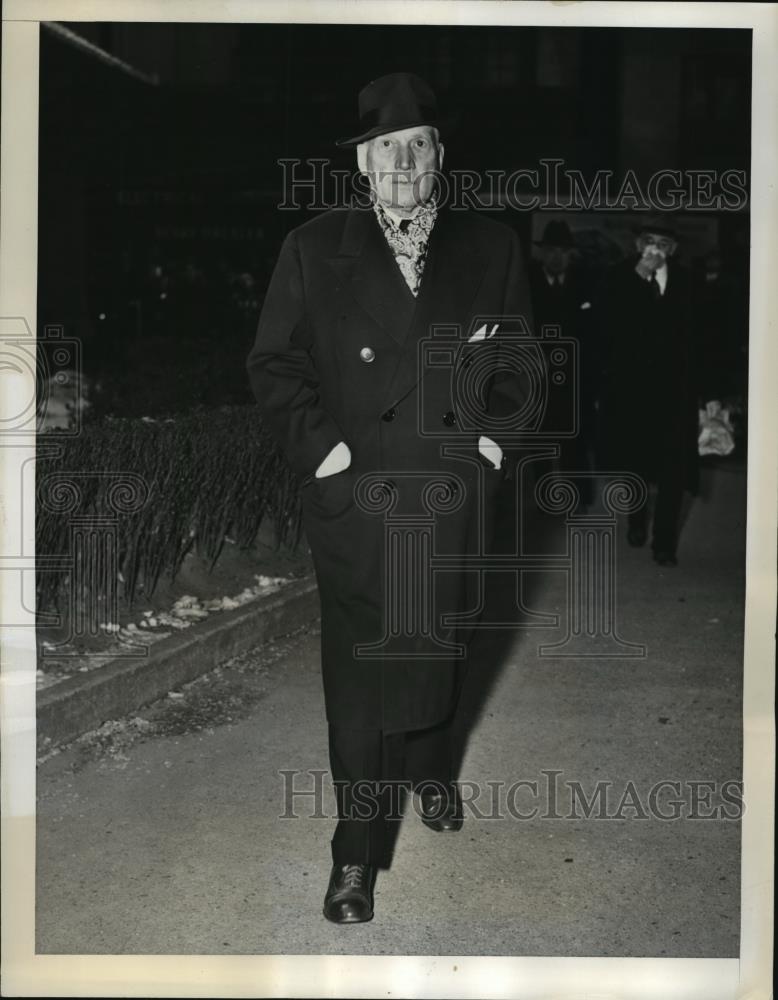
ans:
(167, 486)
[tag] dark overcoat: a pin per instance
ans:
(648, 415)
(569, 307)
(339, 357)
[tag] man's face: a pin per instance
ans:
(655, 248)
(555, 259)
(402, 166)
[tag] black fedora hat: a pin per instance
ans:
(556, 234)
(391, 103)
(657, 225)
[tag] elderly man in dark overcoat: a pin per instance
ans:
(648, 402)
(373, 428)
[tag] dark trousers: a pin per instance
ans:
(667, 513)
(369, 768)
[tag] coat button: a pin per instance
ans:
(449, 419)
(367, 354)
(390, 414)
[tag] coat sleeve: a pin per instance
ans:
(511, 388)
(282, 372)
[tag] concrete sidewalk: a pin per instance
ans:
(165, 836)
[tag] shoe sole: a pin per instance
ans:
(432, 825)
(348, 920)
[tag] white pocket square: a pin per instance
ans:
(481, 334)
(586, 305)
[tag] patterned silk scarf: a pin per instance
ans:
(409, 244)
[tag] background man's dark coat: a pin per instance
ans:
(721, 324)
(569, 306)
(337, 290)
(648, 416)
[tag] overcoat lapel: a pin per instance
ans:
(453, 271)
(369, 271)
(452, 275)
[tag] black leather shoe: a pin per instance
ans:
(349, 898)
(441, 812)
(665, 558)
(636, 537)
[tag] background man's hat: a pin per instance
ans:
(658, 225)
(556, 234)
(391, 103)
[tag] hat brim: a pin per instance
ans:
(383, 130)
(562, 246)
(658, 230)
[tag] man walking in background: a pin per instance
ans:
(561, 298)
(648, 403)
(336, 374)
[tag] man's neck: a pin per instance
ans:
(397, 214)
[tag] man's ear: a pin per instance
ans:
(672, 250)
(441, 151)
(362, 157)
